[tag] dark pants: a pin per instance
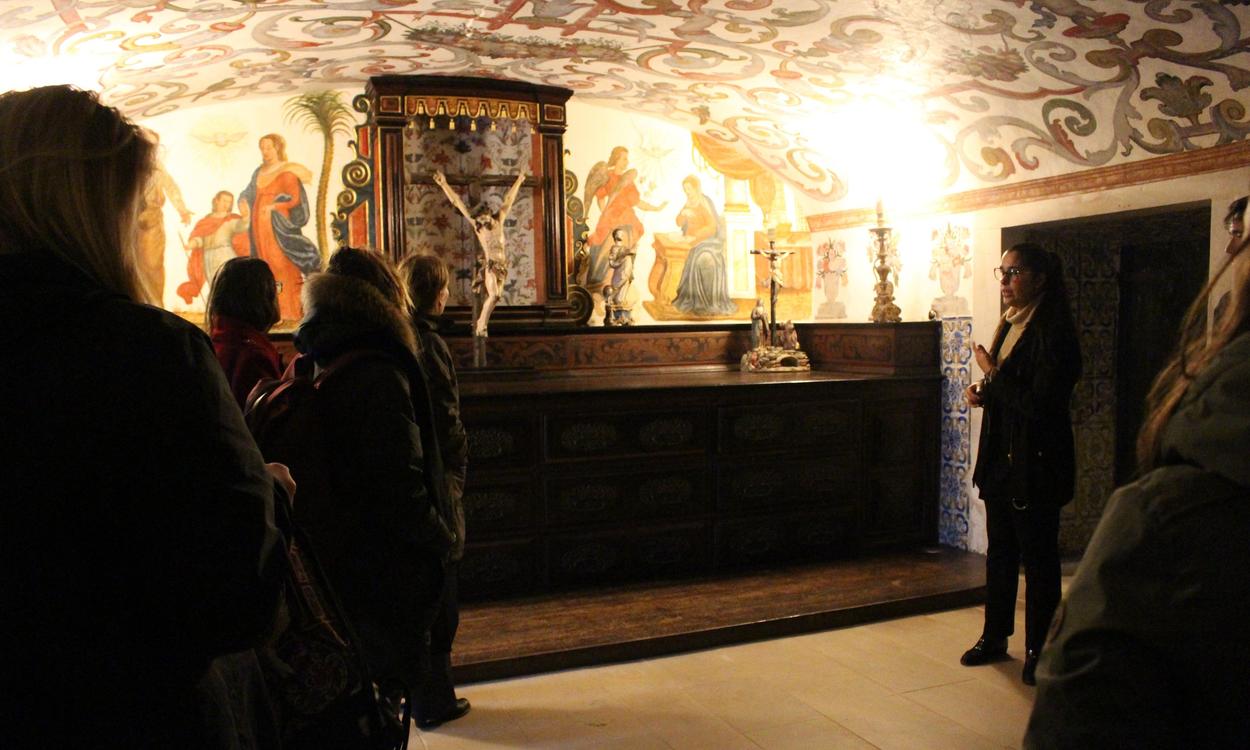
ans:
(1030, 536)
(438, 692)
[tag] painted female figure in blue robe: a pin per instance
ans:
(704, 287)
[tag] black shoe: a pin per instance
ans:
(985, 651)
(458, 709)
(1028, 676)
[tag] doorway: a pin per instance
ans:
(1131, 276)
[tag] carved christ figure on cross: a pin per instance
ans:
(491, 270)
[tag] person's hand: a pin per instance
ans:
(186, 216)
(973, 394)
(440, 179)
(985, 360)
(281, 473)
(244, 209)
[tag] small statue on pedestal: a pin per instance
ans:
(773, 348)
(490, 272)
(617, 309)
(759, 326)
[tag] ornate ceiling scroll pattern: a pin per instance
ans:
(1010, 87)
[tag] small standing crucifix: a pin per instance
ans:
(774, 282)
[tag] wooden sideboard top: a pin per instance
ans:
(502, 382)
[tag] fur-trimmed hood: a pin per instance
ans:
(342, 313)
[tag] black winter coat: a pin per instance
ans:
(440, 370)
(384, 552)
(1026, 451)
(137, 534)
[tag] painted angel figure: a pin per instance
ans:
(490, 272)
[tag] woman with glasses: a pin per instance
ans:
(1150, 648)
(1025, 462)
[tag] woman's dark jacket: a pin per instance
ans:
(1150, 648)
(137, 533)
(384, 543)
(246, 355)
(440, 370)
(1026, 452)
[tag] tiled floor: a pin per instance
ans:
(895, 684)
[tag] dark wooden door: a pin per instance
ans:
(1131, 277)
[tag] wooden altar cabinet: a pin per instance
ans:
(607, 461)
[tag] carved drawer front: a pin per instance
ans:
(668, 552)
(498, 506)
(625, 434)
(833, 426)
(788, 483)
(636, 495)
(788, 538)
(501, 443)
(499, 569)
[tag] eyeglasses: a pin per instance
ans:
(1009, 273)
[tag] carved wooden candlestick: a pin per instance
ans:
(884, 311)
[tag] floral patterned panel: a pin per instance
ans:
(956, 477)
(499, 149)
(433, 227)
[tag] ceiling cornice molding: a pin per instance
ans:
(1170, 167)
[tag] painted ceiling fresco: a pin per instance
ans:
(1010, 89)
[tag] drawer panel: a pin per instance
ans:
(746, 542)
(833, 426)
(649, 433)
(500, 443)
(638, 495)
(494, 506)
(500, 569)
(789, 483)
(667, 552)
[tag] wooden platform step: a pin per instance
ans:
(577, 629)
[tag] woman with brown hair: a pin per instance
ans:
(242, 307)
(1025, 459)
(137, 537)
(1151, 648)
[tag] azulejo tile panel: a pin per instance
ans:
(956, 475)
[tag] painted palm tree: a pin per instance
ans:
(322, 112)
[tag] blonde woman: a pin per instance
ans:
(137, 538)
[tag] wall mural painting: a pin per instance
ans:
(268, 218)
(480, 157)
(1011, 90)
(150, 243)
(278, 203)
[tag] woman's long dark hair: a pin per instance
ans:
(1197, 347)
(1055, 300)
